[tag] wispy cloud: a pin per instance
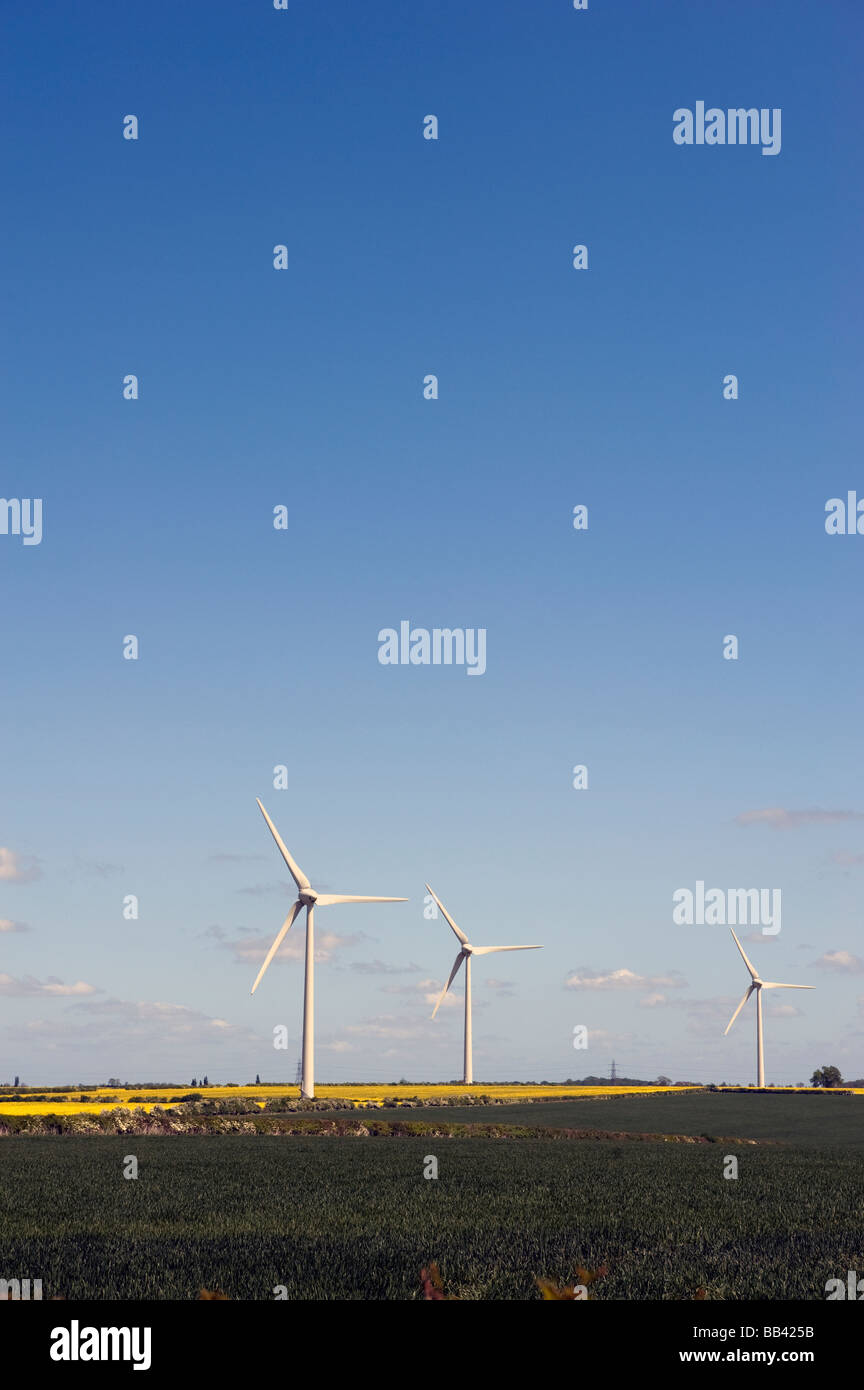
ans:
(28, 986)
(775, 1010)
(221, 934)
(841, 962)
(381, 967)
(6, 926)
(251, 949)
(399, 1026)
(16, 868)
(96, 868)
(623, 979)
(428, 990)
(140, 1029)
(707, 1018)
(779, 818)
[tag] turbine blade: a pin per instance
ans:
(327, 899)
(277, 943)
(754, 974)
(774, 984)
(740, 1006)
(489, 950)
(296, 872)
(461, 935)
(459, 960)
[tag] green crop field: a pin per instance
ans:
(354, 1218)
(801, 1119)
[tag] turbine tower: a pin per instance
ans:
(308, 898)
(465, 953)
(757, 985)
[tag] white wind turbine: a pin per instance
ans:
(308, 898)
(757, 985)
(465, 954)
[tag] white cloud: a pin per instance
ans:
(402, 1027)
(842, 962)
(27, 986)
(429, 990)
(623, 979)
(139, 1040)
(380, 967)
(15, 869)
(251, 950)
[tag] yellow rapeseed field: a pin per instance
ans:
(106, 1098)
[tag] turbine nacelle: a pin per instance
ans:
(466, 951)
(307, 897)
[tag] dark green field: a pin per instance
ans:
(801, 1119)
(353, 1218)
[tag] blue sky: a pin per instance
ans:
(303, 388)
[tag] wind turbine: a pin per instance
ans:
(758, 985)
(308, 898)
(466, 952)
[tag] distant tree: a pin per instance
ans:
(663, 1081)
(16, 1081)
(826, 1076)
(193, 1082)
(205, 1082)
(257, 1079)
(114, 1081)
